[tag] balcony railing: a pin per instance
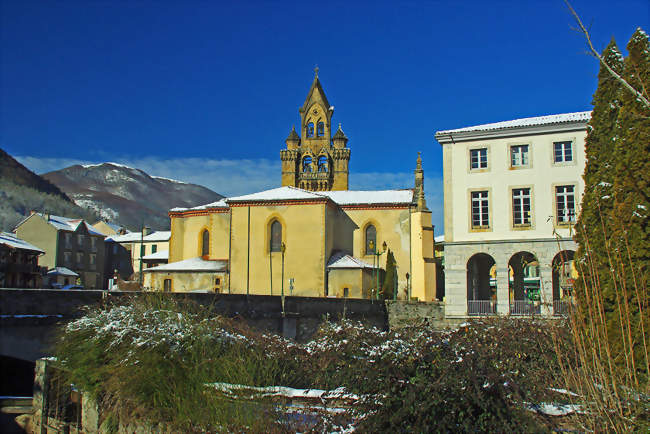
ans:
(308, 176)
(561, 307)
(525, 307)
(481, 307)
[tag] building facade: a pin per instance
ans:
(68, 243)
(321, 240)
(511, 196)
(19, 263)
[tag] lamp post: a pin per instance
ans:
(375, 262)
(283, 247)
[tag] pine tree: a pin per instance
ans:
(594, 227)
(388, 287)
(631, 194)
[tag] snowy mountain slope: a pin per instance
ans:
(128, 195)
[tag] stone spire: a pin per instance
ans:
(418, 192)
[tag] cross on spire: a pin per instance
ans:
(316, 71)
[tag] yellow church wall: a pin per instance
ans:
(423, 275)
(186, 281)
(303, 232)
(392, 226)
(186, 241)
(353, 279)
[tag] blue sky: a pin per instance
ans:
(207, 91)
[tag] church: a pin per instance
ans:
(311, 236)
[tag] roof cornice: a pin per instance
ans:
(466, 136)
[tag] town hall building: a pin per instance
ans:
(311, 236)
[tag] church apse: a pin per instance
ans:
(316, 160)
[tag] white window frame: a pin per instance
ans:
(523, 153)
(479, 150)
(483, 199)
(562, 198)
(563, 152)
(519, 197)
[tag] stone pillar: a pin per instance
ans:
(40, 392)
(546, 289)
(89, 414)
(503, 291)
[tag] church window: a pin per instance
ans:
(371, 240)
(306, 164)
(321, 129)
(310, 129)
(322, 163)
(205, 243)
(167, 285)
(276, 236)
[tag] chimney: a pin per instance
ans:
(146, 231)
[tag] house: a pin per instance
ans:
(309, 237)
(19, 263)
(108, 228)
(127, 250)
(70, 243)
(511, 195)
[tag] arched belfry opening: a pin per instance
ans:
(327, 151)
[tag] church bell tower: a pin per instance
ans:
(316, 160)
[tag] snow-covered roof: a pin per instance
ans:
(343, 260)
(194, 264)
(62, 271)
(158, 256)
(126, 238)
(158, 236)
(12, 241)
(68, 224)
(281, 193)
(525, 122)
(439, 238)
(359, 197)
(218, 204)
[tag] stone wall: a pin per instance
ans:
(403, 313)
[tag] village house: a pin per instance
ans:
(311, 236)
(511, 196)
(72, 247)
(19, 263)
(125, 251)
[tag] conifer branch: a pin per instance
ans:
(639, 96)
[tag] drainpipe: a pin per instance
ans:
(229, 250)
(248, 254)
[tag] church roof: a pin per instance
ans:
(281, 193)
(293, 135)
(339, 134)
(343, 260)
(316, 86)
(192, 264)
(218, 204)
(360, 197)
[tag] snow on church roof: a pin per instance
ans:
(525, 122)
(343, 260)
(342, 197)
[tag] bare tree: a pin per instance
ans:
(642, 95)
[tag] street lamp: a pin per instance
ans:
(375, 261)
(283, 247)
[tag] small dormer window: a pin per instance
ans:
(310, 129)
(322, 163)
(321, 129)
(306, 164)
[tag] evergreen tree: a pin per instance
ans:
(631, 192)
(388, 288)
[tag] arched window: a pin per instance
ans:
(371, 240)
(306, 164)
(276, 236)
(205, 243)
(322, 163)
(310, 129)
(320, 129)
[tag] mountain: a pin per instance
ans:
(126, 195)
(22, 191)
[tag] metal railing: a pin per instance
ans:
(525, 307)
(561, 307)
(481, 307)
